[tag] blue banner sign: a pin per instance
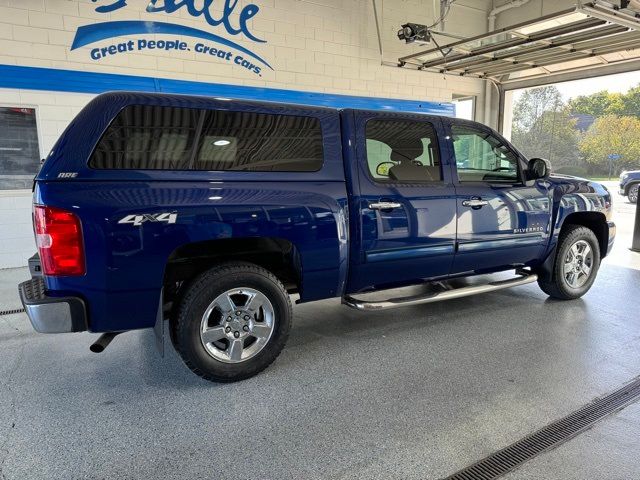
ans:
(230, 51)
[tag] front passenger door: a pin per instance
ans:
(503, 221)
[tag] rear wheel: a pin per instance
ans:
(632, 195)
(576, 264)
(233, 321)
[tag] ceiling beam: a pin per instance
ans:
(565, 42)
(485, 35)
(515, 42)
(630, 42)
(598, 9)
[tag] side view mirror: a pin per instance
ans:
(383, 168)
(538, 168)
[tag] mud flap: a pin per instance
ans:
(158, 328)
(545, 271)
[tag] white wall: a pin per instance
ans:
(16, 234)
(314, 45)
(319, 45)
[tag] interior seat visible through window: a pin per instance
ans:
(402, 151)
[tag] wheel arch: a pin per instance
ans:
(278, 255)
(630, 184)
(594, 221)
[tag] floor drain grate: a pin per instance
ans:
(11, 312)
(554, 434)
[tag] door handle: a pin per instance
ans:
(384, 205)
(474, 203)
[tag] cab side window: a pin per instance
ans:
(483, 157)
(402, 151)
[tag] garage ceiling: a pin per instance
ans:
(590, 36)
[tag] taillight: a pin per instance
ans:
(59, 240)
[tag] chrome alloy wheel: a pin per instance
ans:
(578, 264)
(237, 325)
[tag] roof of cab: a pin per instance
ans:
(198, 101)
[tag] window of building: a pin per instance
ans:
(168, 138)
(19, 147)
(465, 106)
(402, 151)
(481, 156)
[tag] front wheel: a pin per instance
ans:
(632, 195)
(576, 264)
(233, 321)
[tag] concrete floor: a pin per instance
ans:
(414, 393)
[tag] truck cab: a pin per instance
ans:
(451, 193)
(208, 214)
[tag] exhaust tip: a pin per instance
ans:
(103, 342)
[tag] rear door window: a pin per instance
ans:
(402, 151)
(169, 138)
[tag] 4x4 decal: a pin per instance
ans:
(137, 220)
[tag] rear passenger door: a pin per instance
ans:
(404, 199)
(503, 220)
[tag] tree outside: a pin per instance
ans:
(584, 136)
(597, 104)
(612, 135)
(543, 127)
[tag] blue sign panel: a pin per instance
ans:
(614, 156)
(36, 78)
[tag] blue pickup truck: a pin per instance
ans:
(209, 213)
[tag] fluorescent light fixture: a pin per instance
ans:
(221, 143)
(215, 198)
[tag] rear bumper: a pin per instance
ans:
(52, 314)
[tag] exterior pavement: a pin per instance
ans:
(413, 393)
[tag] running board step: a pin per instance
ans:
(523, 278)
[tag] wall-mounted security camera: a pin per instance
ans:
(414, 32)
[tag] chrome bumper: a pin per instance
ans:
(52, 314)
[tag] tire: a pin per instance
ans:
(231, 308)
(564, 285)
(632, 194)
